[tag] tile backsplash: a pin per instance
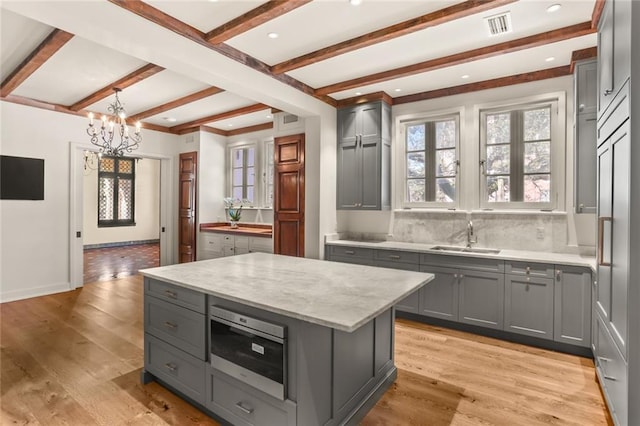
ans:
(516, 231)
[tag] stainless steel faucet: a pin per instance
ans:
(471, 238)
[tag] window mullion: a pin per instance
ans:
(430, 161)
(517, 152)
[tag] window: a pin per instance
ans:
(243, 173)
(116, 190)
(431, 163)
(517, 156)
(268, 174)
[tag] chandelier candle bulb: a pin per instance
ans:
(138, 125)
(91, 119)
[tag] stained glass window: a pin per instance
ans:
(116, 190)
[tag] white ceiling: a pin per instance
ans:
(82, 67)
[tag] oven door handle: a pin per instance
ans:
(237, 328)
(242, 332)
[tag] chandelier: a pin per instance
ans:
(103, 137)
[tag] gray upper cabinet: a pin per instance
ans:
(364, 157)
(572, 310)
(585, 87)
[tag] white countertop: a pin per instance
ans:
(337, 295)
(516, 255)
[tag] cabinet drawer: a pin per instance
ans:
(612, 372)
(531, 269)
(177, 368)
(397, 256)
(465, 262)
(176, 325)
(343, 251)
(242, 242)
(353, 260)
(181, 296)
(211, 241)
(246, 408)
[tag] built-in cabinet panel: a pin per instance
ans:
(528, 306)
(605, 57)
(573, 305)
(439, 298)
(364, 157)
(481, 299)
(585, 132)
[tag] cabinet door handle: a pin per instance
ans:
(461, 276)
(601, 221)
(171, 367)
(170, 325)
(246, 410)
(394, 256)
(607, 92)
(455, 275)
(349, 252)
(171, 294)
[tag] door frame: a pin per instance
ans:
(76, 210)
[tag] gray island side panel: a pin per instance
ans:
(336, 295)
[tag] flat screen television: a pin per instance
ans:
(21, 178)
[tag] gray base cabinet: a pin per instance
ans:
(545, 301)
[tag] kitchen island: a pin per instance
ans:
(268, 339)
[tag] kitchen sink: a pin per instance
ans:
(466, 249)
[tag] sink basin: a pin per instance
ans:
(466, 249)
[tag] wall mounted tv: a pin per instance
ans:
(21, 178)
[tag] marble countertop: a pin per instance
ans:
(337, 295)
(516, 255)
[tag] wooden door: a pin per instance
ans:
(288, 206)
(187, 207)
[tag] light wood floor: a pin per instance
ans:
(75, 359)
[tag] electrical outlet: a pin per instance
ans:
(540, 233)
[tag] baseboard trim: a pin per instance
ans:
(13, 295)
(119, 244)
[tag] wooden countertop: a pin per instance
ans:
(248, 229)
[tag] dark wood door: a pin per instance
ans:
(288, 226)
(187, 207)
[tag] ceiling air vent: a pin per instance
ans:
(289, 118)
(499, 24)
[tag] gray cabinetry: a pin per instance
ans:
(585, 87)
(439, 298)
(174, 325)
(364, 157)
(528, 306)
(481, 298)
(573, 304)
(404, 260)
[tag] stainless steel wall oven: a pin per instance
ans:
(250, 350)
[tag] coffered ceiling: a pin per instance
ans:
(175, 59)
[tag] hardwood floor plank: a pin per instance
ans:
(75, 358)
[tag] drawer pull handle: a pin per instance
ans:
(171, 294)
(170, 325)
(613, 379)
(603, 359)
(171, 367)
(244, 409)
(349, 252)
(394, 256)
(528, 269)
(607, 92)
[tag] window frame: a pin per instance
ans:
(403, 124)
(268, 161)
(256, 165)
(116, 222)
(557, 103)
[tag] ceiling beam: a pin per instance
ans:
(65, 109)
(158, 17)
(217, 117)
(249, 129)
(536, 40)
(258, 16)
(432, 19)
(126, 81)
(177, 103)
(49, 46)
(582, 54)
(486, 84)
(597, 12)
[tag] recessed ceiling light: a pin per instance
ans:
(230, 125)
(358, 93)
(398, 90)
(269, 116)
(355, 2)
(273, 35)
(554, 8)
(170, 119)
(550, 59)
(465, 76)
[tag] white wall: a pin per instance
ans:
(578, 230)
(147, 207)
(34, 235)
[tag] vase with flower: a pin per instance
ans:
(234, 212)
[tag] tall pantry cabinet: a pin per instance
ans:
(617, 293)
